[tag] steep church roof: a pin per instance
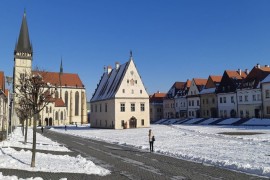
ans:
(67, 79)
(23, 44)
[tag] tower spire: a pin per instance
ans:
(24, 44)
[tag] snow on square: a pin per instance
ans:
(204, 144)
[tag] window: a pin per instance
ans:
(56, 94)
(95, 108)
(220, 100)
(207, 112)
(189, 103)
(268, 109)
(213, 101)
(192, 103)
(77, 103)
(247, 113)
(50, 109)
(100, 108)
(62, 115)
(203, 101)
(267, 93)
(141, 91)
(66, 99)
(254, 97)
(142, 106)
(122, 123)
(224, 99)
(122, 107)
(241, 113)
(106, 107)
(206, 101)
(123, 90)
(246, 97)
(132, 107)
(232, 99)
(47, 109)
(198, 103)
(240, 99)
(56, 115)
(142, 122)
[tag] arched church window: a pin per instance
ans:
(62, 115)
(77, 103)
(56, 94)
(56, 115)
(66, 99)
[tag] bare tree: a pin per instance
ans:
(37, 94)
(24, 112)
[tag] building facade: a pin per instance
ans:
(69, 102)
(120, 100)
(156, 106)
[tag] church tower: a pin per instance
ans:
(23, 54)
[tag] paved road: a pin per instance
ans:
(130, 164)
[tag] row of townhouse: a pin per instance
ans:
(4, 101)
(234, 94)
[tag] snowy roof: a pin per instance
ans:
(208, 91)
(110, 82)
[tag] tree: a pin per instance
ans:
(24, 112)
(37, 94)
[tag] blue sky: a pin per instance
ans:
(171, 40)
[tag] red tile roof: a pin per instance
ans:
(59, 102)
(67, 79)
(235, 74)
(216, 79)
(200, 82)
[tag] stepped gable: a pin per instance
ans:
(67, 79)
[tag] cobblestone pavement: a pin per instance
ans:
(129, 163)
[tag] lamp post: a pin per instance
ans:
(9, 81)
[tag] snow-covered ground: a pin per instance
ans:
(12, 159)
(245, 153)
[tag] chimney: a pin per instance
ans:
(266, 66)
(240, 72)
(158, 91)
(258, 66)
(247, 71)
(117, 65)
(109, 69)
(104, 69)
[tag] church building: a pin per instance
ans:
(69, 102)
(120, 100)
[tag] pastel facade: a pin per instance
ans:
(193, 97)
(156, 106)
(209, 104)
(120, 99)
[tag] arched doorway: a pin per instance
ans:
(50, 122)
(46, 121)
(133, 122)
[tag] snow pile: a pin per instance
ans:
(205, 144)
(12, 159)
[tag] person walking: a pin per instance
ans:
(42, 129)
(151, 140)
(65, 127)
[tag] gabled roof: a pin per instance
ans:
(184, 90)
(67, 79)
(235, 74)
(59, 102)
(216, 79)
(23, 44)
(200, 83)
(256, 75)
(157, 97)
(110, 82)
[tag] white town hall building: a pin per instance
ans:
(120, 100)
(69, 104)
